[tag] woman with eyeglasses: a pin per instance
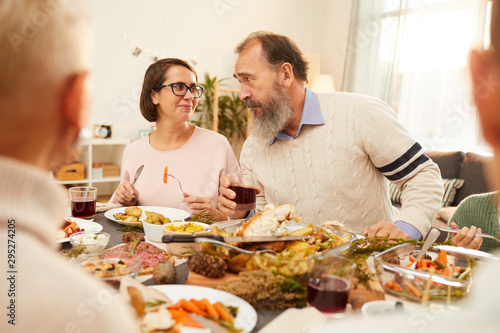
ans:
(197, 157)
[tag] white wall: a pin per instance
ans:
(206, 29)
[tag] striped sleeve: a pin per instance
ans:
(405, 164)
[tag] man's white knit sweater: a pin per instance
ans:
(340, 170)
(45, 292)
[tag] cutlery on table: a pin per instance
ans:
(455, 231)
(180, 185)
(431, 238)
(137, 174)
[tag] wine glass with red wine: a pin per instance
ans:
(242, 183)
(83, 201)
(329, 286)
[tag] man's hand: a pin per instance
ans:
(385, 229)
(126, 194)
(467, 237)
(225, 202)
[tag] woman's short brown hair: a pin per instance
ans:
(278, 49)
(154, 77)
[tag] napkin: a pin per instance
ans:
(103, 207)
(296, 320)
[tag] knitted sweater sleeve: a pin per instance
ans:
(481, 211)
(402, 161)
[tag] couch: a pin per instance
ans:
(463, 174)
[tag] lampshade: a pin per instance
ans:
(323, 83)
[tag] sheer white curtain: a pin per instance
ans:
(413, 55)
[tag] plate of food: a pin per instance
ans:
(74, 225)
(135, 215)
(246, 317)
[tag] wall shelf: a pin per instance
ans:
(99, 150)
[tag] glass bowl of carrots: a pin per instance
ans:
(443, 275)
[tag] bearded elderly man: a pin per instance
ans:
(331, 155)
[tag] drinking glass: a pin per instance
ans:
(83, 201)
(330, 283)
(242, 183)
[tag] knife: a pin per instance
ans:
(189, 238)
(137, 174)
(211, 325)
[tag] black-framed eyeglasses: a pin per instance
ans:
(181, 89)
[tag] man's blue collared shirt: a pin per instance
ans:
(311, 115)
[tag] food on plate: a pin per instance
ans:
(217, 312)
(149, 254)
(157, 313)
(165, 174)
(133, 211)
(150, 306)
(132, 236)
(164, 272)
(69, 227)
(188, 227)
(156, 218)
(132, 214)
(207, 265)
(269, 221)
(106, 268)
(287, 258)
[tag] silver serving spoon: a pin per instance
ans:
(431, 238)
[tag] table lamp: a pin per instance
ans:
(323, 83)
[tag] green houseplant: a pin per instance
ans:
(232, 113)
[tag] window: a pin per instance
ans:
(413, 55)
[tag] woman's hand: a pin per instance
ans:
(197, 204)
(126, 194)
(467, 237)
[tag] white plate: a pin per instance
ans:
(88, 225)
(246, 318)
(171, 213)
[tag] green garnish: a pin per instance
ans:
(155, 303)
(132, 250)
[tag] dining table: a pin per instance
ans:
(116, 234)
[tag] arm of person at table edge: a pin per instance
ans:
(421, 199)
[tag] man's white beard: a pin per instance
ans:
(275, 115)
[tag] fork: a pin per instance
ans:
(180, 185)
(450, 229)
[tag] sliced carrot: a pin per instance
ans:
(183, 318)
(412, 258)
(191, 307)
(444, 257)
(397, 287)
(199, 304)
(413, 289)
(457, 269)
(165, 172)
(212, 313)
(389, 284)
(223, 313)
(446, 271)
